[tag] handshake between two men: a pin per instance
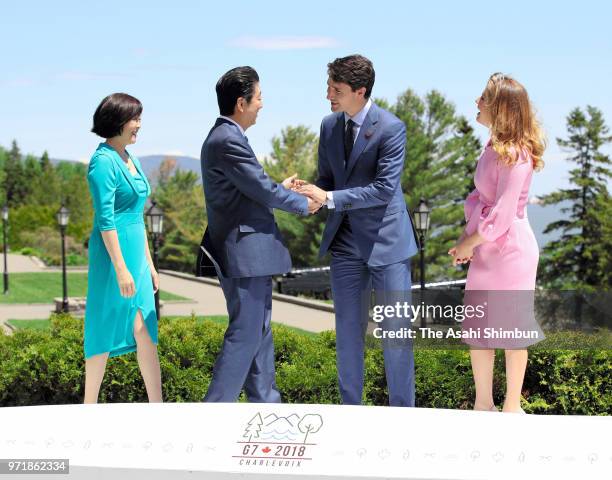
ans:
(317, 197)
(360, 160)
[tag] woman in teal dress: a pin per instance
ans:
(120, 314)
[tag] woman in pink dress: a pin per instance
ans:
(499, 243)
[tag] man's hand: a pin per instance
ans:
(313, 206)
(289, 183)
(297, 183)
(312, 191)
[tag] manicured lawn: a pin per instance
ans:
(43, 287)
(219, 319)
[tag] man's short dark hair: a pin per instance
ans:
(113, 113)
(236, 83)
(355, 70)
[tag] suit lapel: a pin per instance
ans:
(365, 134)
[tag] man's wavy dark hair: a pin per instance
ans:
(355, 70)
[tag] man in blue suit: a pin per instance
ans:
(243, 241)
(368, 232)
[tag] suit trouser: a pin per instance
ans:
(246, 359)
(352, 283)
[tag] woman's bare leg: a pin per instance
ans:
(516, 364)
(94, 373)
(148, 361)
(482, 369)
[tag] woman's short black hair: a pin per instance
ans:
(236, 83)
(355, 70)
(113, 113)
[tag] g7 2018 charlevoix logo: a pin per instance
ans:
(274, 441)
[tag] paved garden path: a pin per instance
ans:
(206, 298)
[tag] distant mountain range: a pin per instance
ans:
(151, 163)
(539, 216)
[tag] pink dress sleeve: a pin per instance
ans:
(470, 204)
(510, 183)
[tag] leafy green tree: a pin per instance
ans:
(581, 258)
(74, 192)
(295, 151)
(441, 156)
(179, 194)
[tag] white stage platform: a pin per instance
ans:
(256, 441)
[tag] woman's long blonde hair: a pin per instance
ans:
(513, 123)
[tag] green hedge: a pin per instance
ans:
(46, 367)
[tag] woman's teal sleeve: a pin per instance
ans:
(102, 185)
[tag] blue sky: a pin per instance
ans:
(59, 59)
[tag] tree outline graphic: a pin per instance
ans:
(254, 427)
(310, 423)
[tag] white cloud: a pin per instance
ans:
(283, 42)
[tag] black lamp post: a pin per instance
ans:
(421, 221)
(155, 226)
(62, 216)
(5, 213)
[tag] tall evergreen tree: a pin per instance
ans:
(46, 188)
(3, 157)
(31, 172)
(441, 156)
(45, 162)
(15, 186)
(581, 258)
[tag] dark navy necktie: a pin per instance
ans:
(349, 140)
